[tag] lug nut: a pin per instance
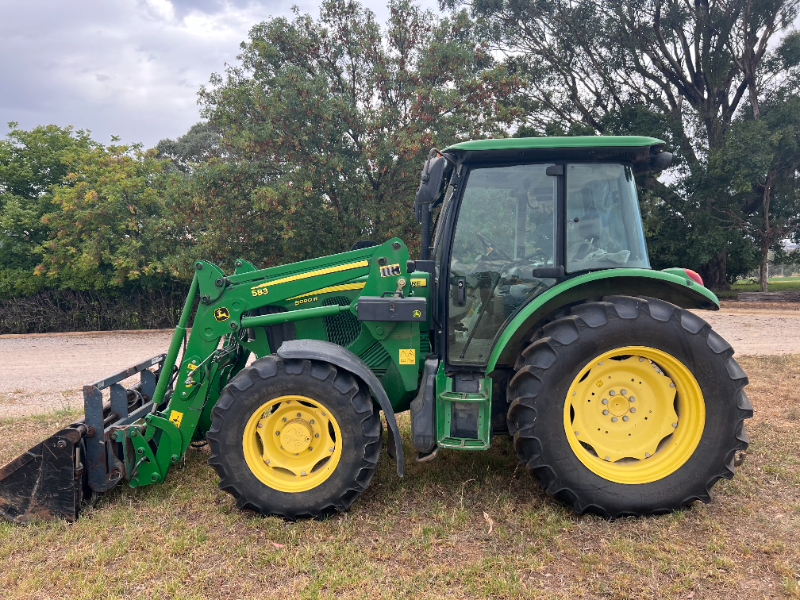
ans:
(674, 424)
(632, 399)
(613, 419)
(284, 419)
(608, 458)
(633, 409)
(604, 400)
(311, 421)
(298, 414)
(672, 384)
(302, 473)
(622, 392)
(316, 435)
(647, 455)
(277, 433)
(267, 461)
(330, 449)
(625, 418)
(260, 425)
(605, 412)
(612, 393)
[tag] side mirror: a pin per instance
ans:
(430, 183)
(661, 161)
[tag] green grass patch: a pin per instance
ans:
(466, 525)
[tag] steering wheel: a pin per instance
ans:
(490, 247)
(539, 253)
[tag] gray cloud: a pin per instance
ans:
(130, 68)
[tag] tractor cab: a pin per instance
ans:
(514, 217)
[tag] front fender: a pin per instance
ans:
(344, 359)
(670, 287)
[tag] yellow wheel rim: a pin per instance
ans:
(292, 443)
(634, 415)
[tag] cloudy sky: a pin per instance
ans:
(130, 68)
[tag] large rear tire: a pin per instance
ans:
(628, 406)
(294, 438)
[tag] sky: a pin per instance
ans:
(130, 68)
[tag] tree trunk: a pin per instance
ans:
(713, 272)
(763, 273)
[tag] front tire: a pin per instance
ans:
(294, 438)
(628, 406)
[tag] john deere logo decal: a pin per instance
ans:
(221, 314)
(417, 314)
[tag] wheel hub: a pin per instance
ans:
(292, 443)
(296, 436)
(625, 411)
(619, 405)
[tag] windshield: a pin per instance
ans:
(604, 227)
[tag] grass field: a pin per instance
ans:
(467, 525)
(776, 284)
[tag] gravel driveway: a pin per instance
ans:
(43, 373)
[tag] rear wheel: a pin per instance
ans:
(294, 438)
(628, 406)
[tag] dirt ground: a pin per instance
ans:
(41, 373)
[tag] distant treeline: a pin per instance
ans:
(316, 138)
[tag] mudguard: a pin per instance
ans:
(343, 358)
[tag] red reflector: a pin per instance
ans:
(694, 276)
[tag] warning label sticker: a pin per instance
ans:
(408, 357)
(176, 417)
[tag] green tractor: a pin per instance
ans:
(532, 312)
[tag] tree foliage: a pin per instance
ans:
(680, 71)
(325, 124)
(32, 165)
(106, 222)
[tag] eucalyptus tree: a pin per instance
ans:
(679, 69)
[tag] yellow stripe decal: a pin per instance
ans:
(347, 267)
(334, 288)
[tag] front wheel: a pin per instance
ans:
(628, 406)
(294, 438)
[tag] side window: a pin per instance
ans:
(604, 226)
(505, 229)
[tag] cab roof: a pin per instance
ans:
(634, 150)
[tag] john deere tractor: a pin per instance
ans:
(532, 312)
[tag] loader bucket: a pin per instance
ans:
(54, 478)
(47, 481)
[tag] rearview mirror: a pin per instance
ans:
(430, 183)
(661, 161)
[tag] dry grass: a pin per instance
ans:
(426, 534)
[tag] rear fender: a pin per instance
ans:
(670, 287)
(344, 359)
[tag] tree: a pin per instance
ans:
(106, 226)
(686, 68)
(32, 165)
(325, 127)
(761, 162)
(201, 143)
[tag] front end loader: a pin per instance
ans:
(532, 312)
